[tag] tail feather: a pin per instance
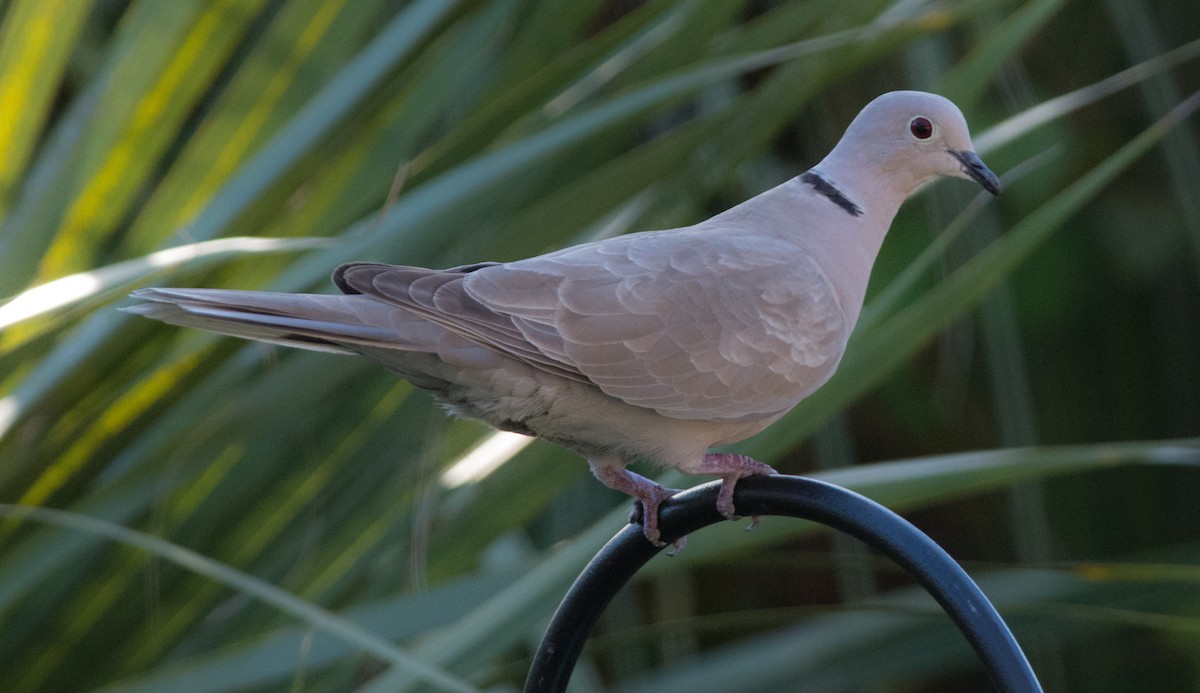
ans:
(308, 321)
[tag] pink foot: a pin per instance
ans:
(645, 511)
(649, 496)
(731, 467)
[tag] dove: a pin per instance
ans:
(654, 346)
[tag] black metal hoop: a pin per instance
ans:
(790, 496)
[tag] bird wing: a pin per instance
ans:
(691, 325)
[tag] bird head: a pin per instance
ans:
(911, 137)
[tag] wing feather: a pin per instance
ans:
(694, 326)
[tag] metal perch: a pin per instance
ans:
(791, 496)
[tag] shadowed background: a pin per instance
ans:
(1024, 384)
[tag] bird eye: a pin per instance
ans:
(921, 127)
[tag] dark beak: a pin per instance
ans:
(973, 167)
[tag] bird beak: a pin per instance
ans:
(974, 167)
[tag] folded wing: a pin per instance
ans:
(693, 326)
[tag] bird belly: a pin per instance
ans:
(580, 417)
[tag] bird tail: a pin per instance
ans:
(318, 322)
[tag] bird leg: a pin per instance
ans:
(649, 496)
(731, 467)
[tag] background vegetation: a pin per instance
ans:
(194, 513)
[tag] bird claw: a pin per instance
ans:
(651, 531)
(731, 468)
(645, 511)
(649, 495)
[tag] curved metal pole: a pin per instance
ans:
(792, 496)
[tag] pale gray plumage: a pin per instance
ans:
(655, 345)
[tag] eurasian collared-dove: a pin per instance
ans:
(655, 345)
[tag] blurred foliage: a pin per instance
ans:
(241, 517)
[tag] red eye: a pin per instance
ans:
(921, 128)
